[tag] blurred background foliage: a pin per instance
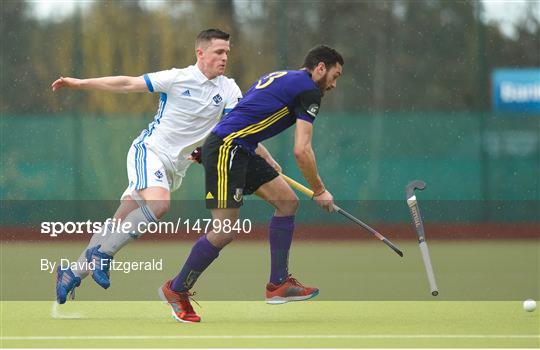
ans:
(400, 55)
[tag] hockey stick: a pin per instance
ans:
(309, 193)
(419, 227)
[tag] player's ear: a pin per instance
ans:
(321, 68)
(199, 52)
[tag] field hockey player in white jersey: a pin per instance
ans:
(192, 100)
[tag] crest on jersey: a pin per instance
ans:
(313, 110)
(217, 99)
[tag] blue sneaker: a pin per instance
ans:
(102, 262)
(66, 282)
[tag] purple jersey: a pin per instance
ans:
(270, 106)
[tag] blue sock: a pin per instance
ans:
(281, 232)
(201, 256)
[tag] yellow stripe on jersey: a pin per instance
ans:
(251, 129)
(223, 157)
(254, 128)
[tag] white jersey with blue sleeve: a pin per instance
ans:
(190, 106)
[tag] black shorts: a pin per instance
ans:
(231, 172)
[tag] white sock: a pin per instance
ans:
(97, 238)
(117, 239)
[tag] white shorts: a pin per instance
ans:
(145, 169)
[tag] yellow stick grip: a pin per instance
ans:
(298, 186)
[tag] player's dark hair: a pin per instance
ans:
(322, 53)
(208, 34)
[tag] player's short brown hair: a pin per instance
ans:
(322, 53)
(205, 37)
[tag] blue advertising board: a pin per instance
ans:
(516, 90)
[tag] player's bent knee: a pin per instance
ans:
(159, 208)
(288, 206)
(219, 239)
(293, 204)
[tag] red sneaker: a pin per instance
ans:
(182, 311)
(290, 290)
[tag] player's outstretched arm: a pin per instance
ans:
(265, 154)
(305, 158)
(118, 84)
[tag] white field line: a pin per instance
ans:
(336, 336)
